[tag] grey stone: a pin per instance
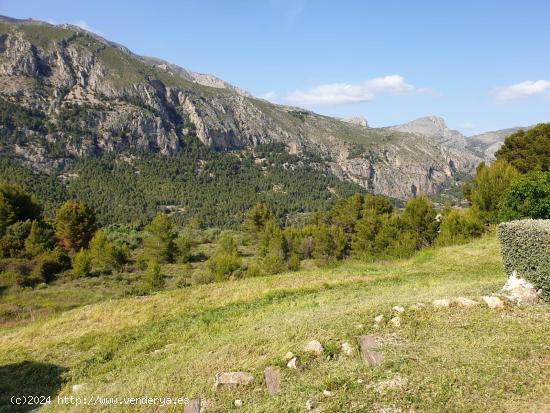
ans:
(347, 349)
(492, 301)
(273, 380)
(465, 302)
(293, 363)
(519, 291)
(441, 303)
(194, 406)
(314, 347)
(233, 378)
(369, 353)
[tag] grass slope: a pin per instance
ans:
(172, 344)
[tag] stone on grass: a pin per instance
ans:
(396, 321)
(273, 380)
(465, 302)
(492, 301)
(194, 406)
(517, 290)
(347, 348)
(78, 387)
(314, 347)
(441, 303)
(417, 306)
(369, 353)
(328, 393)
(379, 318)
(289, 355)
(398, 309)
(238, 403)
(309, 405)
(233, 378)
(293, 363)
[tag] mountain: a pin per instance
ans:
(486, 144)
(68, 94)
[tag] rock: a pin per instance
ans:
(273, 380)
(78, 387)
(442, 303)
(294, 363)
(238, 403)
(369, 353)
(398, 309)
(314, 347)
(328, 393)
(520, 291)
(194, 406)
(465, 302)
(360, 381)
(289, 355)
(396, 321)
(379, 318)
(417, 306)
(309, 405)
(347, 349)
(233, 378)
(492, 301)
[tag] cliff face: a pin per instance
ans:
(91, 97)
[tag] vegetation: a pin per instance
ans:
(528, 150)
(74, 226)
(526, 250)
(528, 197)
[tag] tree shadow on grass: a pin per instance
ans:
(25, 379)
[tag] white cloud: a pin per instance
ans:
(343, 93)
(271, 96)
(523, 89)
(84, 25)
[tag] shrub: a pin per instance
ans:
(74, 226)
(273, 264)
(40, 239)
(158, 244)
(528, 197)
(458, 227)
(526, 250)
(50, 264)
(82, 264)
(183, 246)
(105, 256)
(222, 265)
(153, 279)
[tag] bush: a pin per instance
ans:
(74, 226)
(458, 227)
(529, 197)
(222, 265)
(526, 250)
(183, 246)
(159, 245)
(153, 279)
(82, 264)
(50, 264)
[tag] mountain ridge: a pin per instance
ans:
(96, 97)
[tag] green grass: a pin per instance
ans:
(173, 343)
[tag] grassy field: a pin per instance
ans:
(171, 344)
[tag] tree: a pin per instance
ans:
(13, 242)
(256, 219)
(528, 197)
(39, 240)
(158, 244)
(183, 246)
(419, 217)
(377, 204)
(105, 256)
(82, 264)
(459, 226)
(16, 205)
(152, 277)
(74, 226)
(528, 150)
(490, 185)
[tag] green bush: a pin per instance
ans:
(526, 250)
(458, 227)
(152, 278)
(528, 197)
(82, 264)
(222, 265)
(50, 264)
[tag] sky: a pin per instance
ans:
(481, 65)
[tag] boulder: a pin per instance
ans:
(233, 378)
(369, 353)
(398, 309)
(293, 363)
(273, 380)
(441, 303)
(194, 406)
(396, 321)
(492, 301)
(379, 318)
(328, 393)
(518, 290)
(347, 348)
(314, 347)
(238, 403)
(464, 302)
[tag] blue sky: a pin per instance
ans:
(481, 65)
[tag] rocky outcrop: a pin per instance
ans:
(97, 97)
